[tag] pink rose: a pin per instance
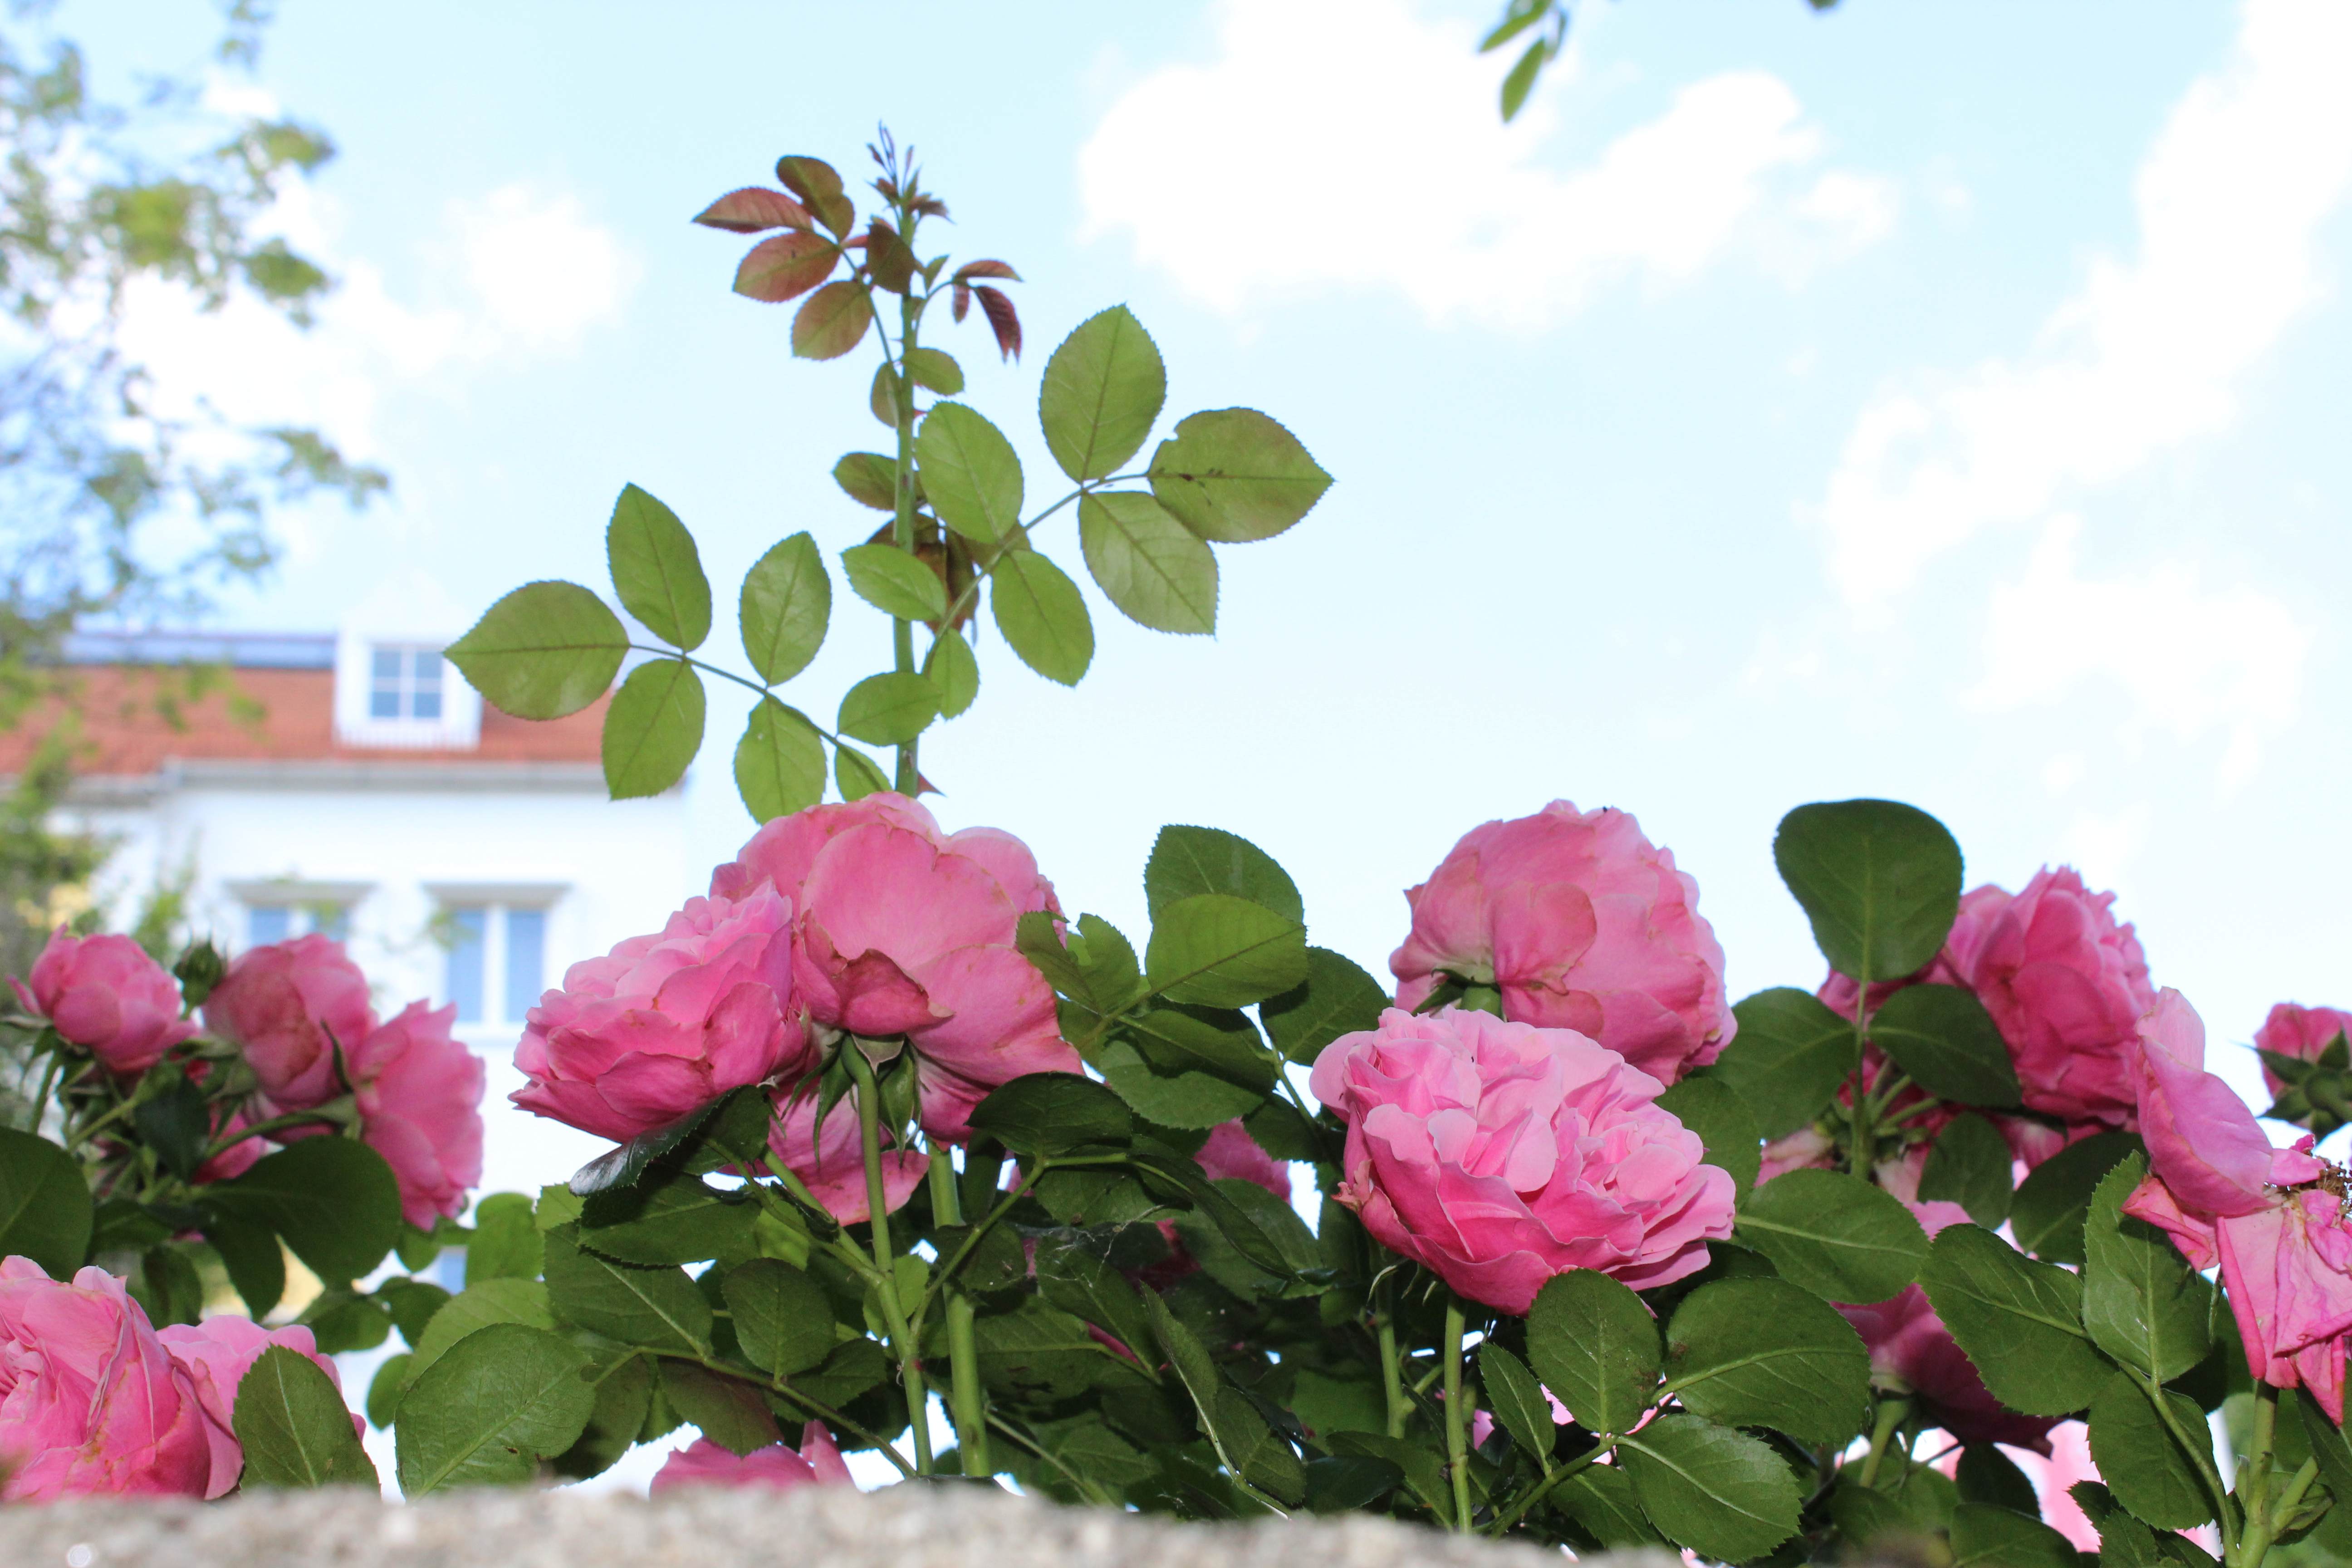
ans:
(291, 1005)
(903, 930)
(91, 1402)
(420, 1102)
(1499, 1154)
(1911, 1351)
(705, 1463)
(831, 1161)
(1582, 924)
(217, 1355)
(103, 993)
(2291, 1030)
(667, 1022)
(2224, 1195)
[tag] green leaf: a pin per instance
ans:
(1969, 1165)
(1103, 390)
(385, 1389)
(1232, 1239)
(1186, 861)
(653, 729)
(1601, 1501)
(894, 583)
(1235, 475)
(1223, 950)
(1191, 1101)
(891, 709)
(728, 1411)
(1985, 1533)
(782, 1318)
(656, 571)
(869, 479)
(1175, 1039)
(545, 650)
(1074, 1279)
(1041, 615)
(46, 1211)
(1517, 1399)
(833, 321)
(669, 1217)
(1834, 1235)
(2123, 1542)
(474, 1308)
(415, 1302)
(855, 774)
(1521, 80)
(2141, 1301)
(2141, 1462)
(786, 606)
(779, 762)
(1715, 1111)
(1595, 1345)
(1988, 1475)
(1153, 567)
(1762, 1353)
(334, 1200)
(1240, 1432)
(339, 1318)
(953, 672)
(658, 1308)
(1422, 1469)
(970, 474)
(249, 1251)
(1879, 880)
(2020, 1322)
(1721, 1493)
(2328, 1446)
(1788, 1058)
(1944, 1038)
(505, 1244)
(1050, 1113)
(2046, 1215)
(1342, 1483)
(935, 372)
(623, 1401)
(295, 1430)
(491, 1410)
(1335, 998)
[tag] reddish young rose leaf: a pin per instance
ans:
(886, 253)
(962, 300)
(1002, 320)
(787, 266)
(930, 206)
(832, 322)
(971, 270)
(818, 186)
(752, 209)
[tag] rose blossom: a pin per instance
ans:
(91, 1402)
(830, 1158)
(420, 1103)
(2224, 1195)
(705, 1463)
(667, 1022)
(2292, 1030)
(1582, 924)
(1912, 1352)
(104, 994)
(902, 929)
(1499, 1154)
(290, 1005)
(217, 1355)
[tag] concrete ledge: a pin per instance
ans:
(951, 1526)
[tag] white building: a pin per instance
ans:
(353, 782)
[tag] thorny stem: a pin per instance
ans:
(1541, 1488)
(1457, 1448)
(965, 1397)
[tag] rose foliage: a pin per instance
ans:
(1550, 1242)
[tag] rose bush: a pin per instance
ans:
(1499, 1154)
(1581, 923)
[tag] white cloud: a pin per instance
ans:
(2149, 353)
(1354, 144)
(2192, 657)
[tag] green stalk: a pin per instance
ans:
(2257, 1546)
(902, 527)
(1389, 1381)
(894, 1320)
(966, 1401)
(1457, 1446)
(1891, 1413)
(1858, 1161)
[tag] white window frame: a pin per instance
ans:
(500, 1013)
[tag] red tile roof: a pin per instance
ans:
(259, 715)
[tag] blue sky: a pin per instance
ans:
(1921, 400)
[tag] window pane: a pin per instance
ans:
(266, 923)
(466, 962)
(526, 951)
(427, 664)
(387, 665)
(426, 702)
(384, 704)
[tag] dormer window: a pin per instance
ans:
(404, 683)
